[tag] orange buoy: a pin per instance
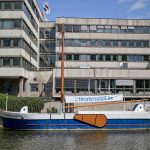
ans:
(98, 120)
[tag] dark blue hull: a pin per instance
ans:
(22, 124)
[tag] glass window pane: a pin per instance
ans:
(34, 87)
(108, 43)
(17, 24)
(7, 24)
(145, 43)
(124, 58)
(115, 43)
(0, 5)
(108, 57)
(100, 57)
(93, 57)
(138, 43)
(139, 58)
(7, 5)
(17, 5)
(114, 57)
(6, 61)
(68, 57)
(76, 57)
(16, 61)
(68, 28)
(76, 28)
(131, 58)
(131, 43)
(6, 42)
(16, 43)
(124, 43)
(146, 58)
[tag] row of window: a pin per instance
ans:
(30, 17)
(10, 24)
(104, 29)
(10, 5)
(98, 85)
(18, 43)
(47, 33)
(104, 57)
(47, 60)
(30, 33)
(47, 46)
(19, 5)
(34, 9)
(16, 62)
(29, 49)
(18, 24)
(104, 43)
(46, 87)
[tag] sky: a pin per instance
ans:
(129, 9)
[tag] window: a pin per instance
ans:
(145, 44)
(93, 28)
(7, 24)
(124, 58)
(6, 43)
(115, 43)
(114, 57)
(68, 28)
(0, 5)
(131, 43)
(108, 57)
(6, 61)
(139, 58)
(68, 57)
(107, 43)
(124, 29)
(76, 28)
(145, 29)
(138, 43)
(93, 43)
(84, 28)
(100, 43)
(34, 87)
(145, 58)
(93, 57)
(131, 29)
(100, 29)
(107, 29)
(7, 5)
(17, 5)
(131, 58)
(16, 43)
(16, 61)
(17, 24)
(76, 57)
(47, 33)
(47, 87)
(124, 43)
(100, 57)
(84, 57)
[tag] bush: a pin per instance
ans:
(52, 110)
(16, 103)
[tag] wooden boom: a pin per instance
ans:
(105, 103)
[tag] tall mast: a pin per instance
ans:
(62, 66)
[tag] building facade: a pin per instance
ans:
(102, 56)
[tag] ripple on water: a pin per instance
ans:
(73, 140)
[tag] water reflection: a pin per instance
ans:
(73, 140)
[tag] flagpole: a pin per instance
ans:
(43, 11)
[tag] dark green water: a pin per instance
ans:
(74, 140)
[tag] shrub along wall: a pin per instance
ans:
(16, 103)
